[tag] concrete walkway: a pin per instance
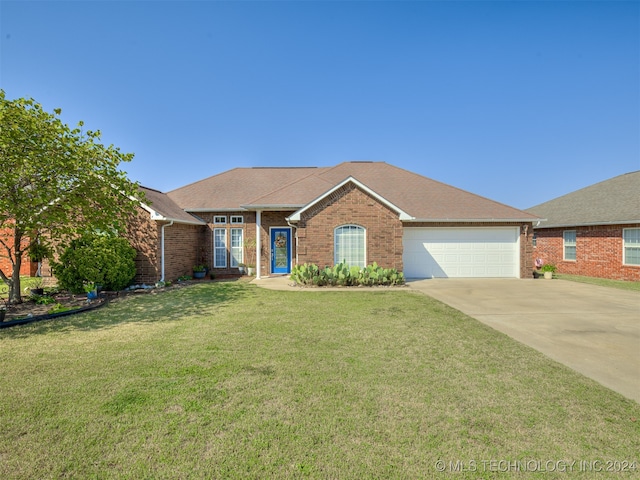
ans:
(591, 329)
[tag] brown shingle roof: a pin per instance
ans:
(422, 198)
(163, 206)
(613, 201)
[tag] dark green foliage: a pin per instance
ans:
(343, 275)
(104, 260)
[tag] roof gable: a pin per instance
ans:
(403, 215)
(613, 201)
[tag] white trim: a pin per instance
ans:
(624, 248)
(364, 239)
(162, 249)
(286, 227)
(574, 245)
(225, 247)
(403, 215)
(231, 247)
(154, 215)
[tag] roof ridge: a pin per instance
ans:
(287, 185)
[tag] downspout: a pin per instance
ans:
(258, 242)
(295, 229)
(162, 249)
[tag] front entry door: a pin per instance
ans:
(280, 250)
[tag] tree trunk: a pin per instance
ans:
(14, 285)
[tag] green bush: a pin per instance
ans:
(104, 260)
(343, 275)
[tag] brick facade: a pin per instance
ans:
(349, 205)
(181, 246)
(599, 251)
(27, 267)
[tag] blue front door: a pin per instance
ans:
(280, 250)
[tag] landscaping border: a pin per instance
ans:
(50, 316)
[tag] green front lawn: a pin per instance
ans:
(603, 282)
(227, 380)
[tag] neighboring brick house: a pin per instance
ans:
(359, 212)
(27, 267)
(594, 231)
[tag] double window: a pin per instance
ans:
(349, 245)
(569, 243)
(631, 246)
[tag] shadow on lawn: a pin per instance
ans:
(172, 305)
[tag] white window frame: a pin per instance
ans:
(566, 244)
(236, 219)
(219, 247)
(220, 219)
(635, 245)
(237, 251)
(338, 250)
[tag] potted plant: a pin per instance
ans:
(548, 270)
(241, 267)
(92, 292)
(250, 248)
(199, 271)
(37, 286)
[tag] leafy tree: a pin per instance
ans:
(56, 183)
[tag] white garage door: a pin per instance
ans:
(461, 252)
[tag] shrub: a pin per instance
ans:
(104, 260)
(343, 275)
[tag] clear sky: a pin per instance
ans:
(517, 101)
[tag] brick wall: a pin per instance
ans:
(180, 245)
(350, 206)
(27, 268)
(599, 252)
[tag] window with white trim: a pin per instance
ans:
(569, 244)
(349, 245)
(631, 245)
(236, 246)
(220, 219)
(236, 219)
(219, 247)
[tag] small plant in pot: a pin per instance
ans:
(548, 270)
(199, 271)
(241, 268)
(91, 289)
(37, 286)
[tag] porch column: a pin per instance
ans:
(258, 242)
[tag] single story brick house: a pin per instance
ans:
(358, 212)
(594, 231)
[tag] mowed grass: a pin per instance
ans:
(227, 380)
(603, 282)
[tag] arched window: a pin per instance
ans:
(349, 245)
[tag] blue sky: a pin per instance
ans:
(517, 101)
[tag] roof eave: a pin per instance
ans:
(589, 224)
(476, 220)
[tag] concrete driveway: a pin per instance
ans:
(593, 330)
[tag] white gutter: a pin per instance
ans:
(162, 249)
(258, 242)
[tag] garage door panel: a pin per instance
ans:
(461, 252)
